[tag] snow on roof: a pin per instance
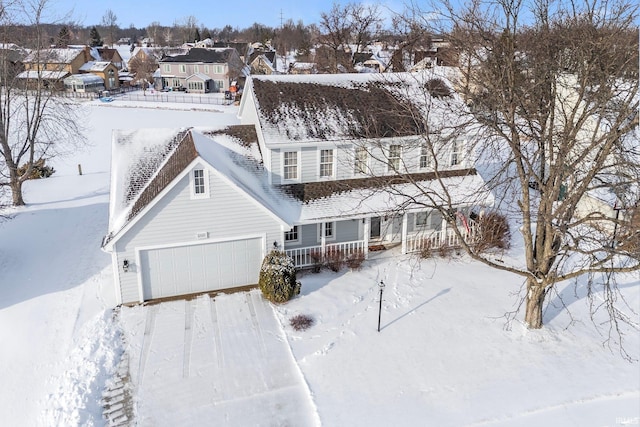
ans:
(237, 164)
(136, 156)
(85, 78)
(139, 156)
(303, 108)
(54, 55)
(199, 76)
(44, 74)
(95, 66)
(469, 189)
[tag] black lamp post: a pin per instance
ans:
(381, 286)
(615, 225)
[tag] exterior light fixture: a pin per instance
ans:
(125, 265)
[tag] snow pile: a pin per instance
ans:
(90, 364)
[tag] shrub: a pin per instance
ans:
(278, 277)
(38, 170)
(355, 259)
(301, 322)
(426, 251)
(493, 232)
(445, 251)
(334, 259)
(316, 261)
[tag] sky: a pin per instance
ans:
(239, 14)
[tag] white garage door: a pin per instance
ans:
(204, 267)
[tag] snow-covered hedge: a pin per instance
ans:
(278, 277)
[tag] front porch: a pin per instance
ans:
(311, 244)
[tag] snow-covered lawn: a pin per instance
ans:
(442, 358)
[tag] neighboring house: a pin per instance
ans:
(51, 66)
(261, 62)
(283, 180)
(219, 66)
(12, 56)
(105, 70)
(369, 62)
(111, 55)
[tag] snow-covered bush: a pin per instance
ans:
(278, 277)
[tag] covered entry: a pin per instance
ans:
(200, 267)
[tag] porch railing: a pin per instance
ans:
(311, 255)
(439, 238)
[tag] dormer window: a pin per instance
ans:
(290, 165)
(326, 163)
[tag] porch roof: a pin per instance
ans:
(463, 190)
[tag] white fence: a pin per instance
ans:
(312, 255)
(439, 238)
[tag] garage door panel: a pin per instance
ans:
(200, 268)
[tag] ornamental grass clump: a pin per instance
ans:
(278, 277)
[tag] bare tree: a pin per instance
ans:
(336, 28)
(187, 27)
(110, 23)
(35, 123)
(143, 67)
(555, 106)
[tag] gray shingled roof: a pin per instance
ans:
(213, 56)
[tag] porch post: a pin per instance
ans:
(366, 228)
(404, 233)
(323, 237)
(443, 235)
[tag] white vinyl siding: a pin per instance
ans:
(177, 219)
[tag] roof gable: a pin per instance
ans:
(147, 163)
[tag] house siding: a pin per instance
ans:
(176, 218)
(346, 231)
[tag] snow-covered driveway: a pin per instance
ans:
(222, 361)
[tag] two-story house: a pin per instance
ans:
(51, 66)
(201, 70)
(322, 164)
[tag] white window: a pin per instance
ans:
(206, 69)
(326, 163)
(290, 165)
(361, 157)
(199, 184)
(292, 235)
(425, 157)
(329, 231)
(196, 69)
(395, 152)
(422, 219)
(218, 69)
(455, 154)
(183, 68)
(166, 68)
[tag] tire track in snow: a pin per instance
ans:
(188, 336)
(149, 328)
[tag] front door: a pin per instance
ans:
(375, 228)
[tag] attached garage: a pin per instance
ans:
(200, 267)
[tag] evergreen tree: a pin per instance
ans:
(196, 37)
(64, 37)
(94, 36)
